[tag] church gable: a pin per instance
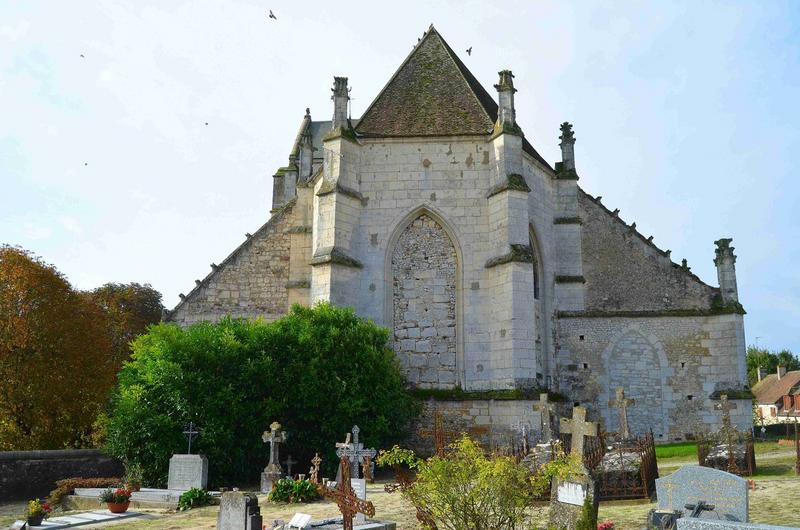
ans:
(626, 272)
(431, 94)
(250, 282)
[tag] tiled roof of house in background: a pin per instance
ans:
(771, 389)
(432, 94)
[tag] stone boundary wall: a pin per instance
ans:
(490, 421)
(28, 474)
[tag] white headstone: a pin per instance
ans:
(187, 472)
(359, 486)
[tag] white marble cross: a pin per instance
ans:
(578, 427)
(622, 403)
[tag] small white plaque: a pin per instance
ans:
(300, 520)
(359, 486)
(570, 493)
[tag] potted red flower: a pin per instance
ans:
(117, 500)
(37, 511)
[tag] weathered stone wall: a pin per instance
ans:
(251, 282)
(671, 366)
(424, 303)
(491, 422)
(625, 272)
(32, 474)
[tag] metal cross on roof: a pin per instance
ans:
(344, 496)
(354, 451)
(546, 408)
(578, 427)
(622, 403)
(191, 432)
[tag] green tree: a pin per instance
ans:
(55, 357)
(130, 308)
(317, 371)
(768, 362)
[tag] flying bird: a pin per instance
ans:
(82, 56)
(206, 123)
(469, 51)
(272, 15)
(86, 163)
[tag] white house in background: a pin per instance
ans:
(778, 397)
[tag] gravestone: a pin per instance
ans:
(691, 484)
(708, 524)
(239, 511)
(575, 499)
(188, 471)
(359, 486)
(273, 472)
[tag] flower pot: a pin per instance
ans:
(35, 520)
(118, 507)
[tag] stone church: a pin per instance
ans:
(433, 215)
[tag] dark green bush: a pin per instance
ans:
(288, 490)
(194, 498)
(317, 371)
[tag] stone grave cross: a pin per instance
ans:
(578, 427)
(274, 436)
(622, 403)
(345, 497)
(546, 409)
(191, 432)
(289, 463)
(725, 406)
(354, 451)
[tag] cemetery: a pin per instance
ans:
(433, 321)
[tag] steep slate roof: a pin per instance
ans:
(432, 94)
(770, 389)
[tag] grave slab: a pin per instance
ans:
(703, 524)
(690, 484)
(80, 519)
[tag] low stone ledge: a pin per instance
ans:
(336, 256)
(517, 253)
(513, 182)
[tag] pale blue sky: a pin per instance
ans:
(686, 117)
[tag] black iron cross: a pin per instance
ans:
(191, 432)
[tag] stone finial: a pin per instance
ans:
(725, 260)
(197, 282)
(506, 114)
(567, 146)
(340, 98)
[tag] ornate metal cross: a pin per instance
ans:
(354, 451)
(622, 403)
(274, 436)
(344, 496)
(191, 432)
(546, 409)
(314, 471)
(440, 436)
(578, 427)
